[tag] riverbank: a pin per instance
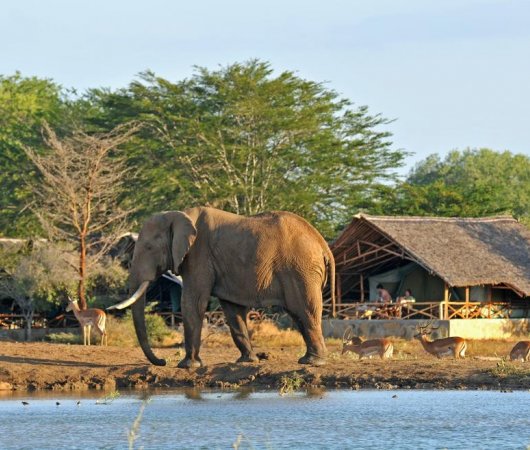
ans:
(35, 366)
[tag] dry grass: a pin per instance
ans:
(263, 334)
(267, 334)
(412, 349)
(475, 347)
(489, 347)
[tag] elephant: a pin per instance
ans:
(269, 259)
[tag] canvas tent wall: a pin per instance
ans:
(424, 286)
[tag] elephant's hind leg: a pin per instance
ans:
(236, 316)
(305, 307)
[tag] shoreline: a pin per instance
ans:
(30, 367)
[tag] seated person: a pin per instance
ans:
(383, 296)
(387, 310)
(407, 298)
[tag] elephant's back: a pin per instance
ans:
(287, 223)
(288, 244)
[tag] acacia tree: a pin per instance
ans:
(245, 139)
(76, 196)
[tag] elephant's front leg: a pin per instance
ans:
(236, 316)
(193, 309)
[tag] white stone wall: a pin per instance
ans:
(405, 329)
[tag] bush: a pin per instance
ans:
(121, 331)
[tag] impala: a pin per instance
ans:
(451, 346)
(521, 351)
(88, 318)
(382, 347)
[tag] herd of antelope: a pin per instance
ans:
(451, 346)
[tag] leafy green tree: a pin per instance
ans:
(473, 183)
(25, 104)
(33, 278)
(247, 140)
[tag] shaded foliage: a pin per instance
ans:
(25, 105)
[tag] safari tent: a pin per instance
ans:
(455, 267)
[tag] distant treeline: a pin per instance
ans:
(245, 139)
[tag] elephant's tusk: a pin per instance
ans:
(139, 292)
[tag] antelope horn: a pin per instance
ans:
(347, 334)
(422, 327)
(139, 292)
(344, 335)
(430, 325)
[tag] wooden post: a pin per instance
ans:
(362, 287)
(467, 303)
(490, 295)
(446, 301)
(339, 288)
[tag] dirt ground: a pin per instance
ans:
(35, 366)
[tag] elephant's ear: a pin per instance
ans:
(184, 234)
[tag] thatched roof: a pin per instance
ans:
(463, 252)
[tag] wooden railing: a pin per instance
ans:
(14, 321)
(420, 310)
(356, 310)
(478, 310)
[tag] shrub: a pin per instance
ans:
(290, 383)
(121, 331)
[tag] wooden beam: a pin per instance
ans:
(467, 303)
(362, 287)
(446, 301)
(371, 252)
(339, 287)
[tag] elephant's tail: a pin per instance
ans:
(332, 287)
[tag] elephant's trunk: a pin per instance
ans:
(141, 331)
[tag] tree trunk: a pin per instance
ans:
(82, 274)
(28, 318)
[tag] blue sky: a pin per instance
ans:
(453, 73)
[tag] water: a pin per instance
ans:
(320, 420)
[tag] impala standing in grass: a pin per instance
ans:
(89, 318)
(382, 347)
(451, 346)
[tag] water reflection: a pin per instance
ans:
(192, 418)
(193, 394)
